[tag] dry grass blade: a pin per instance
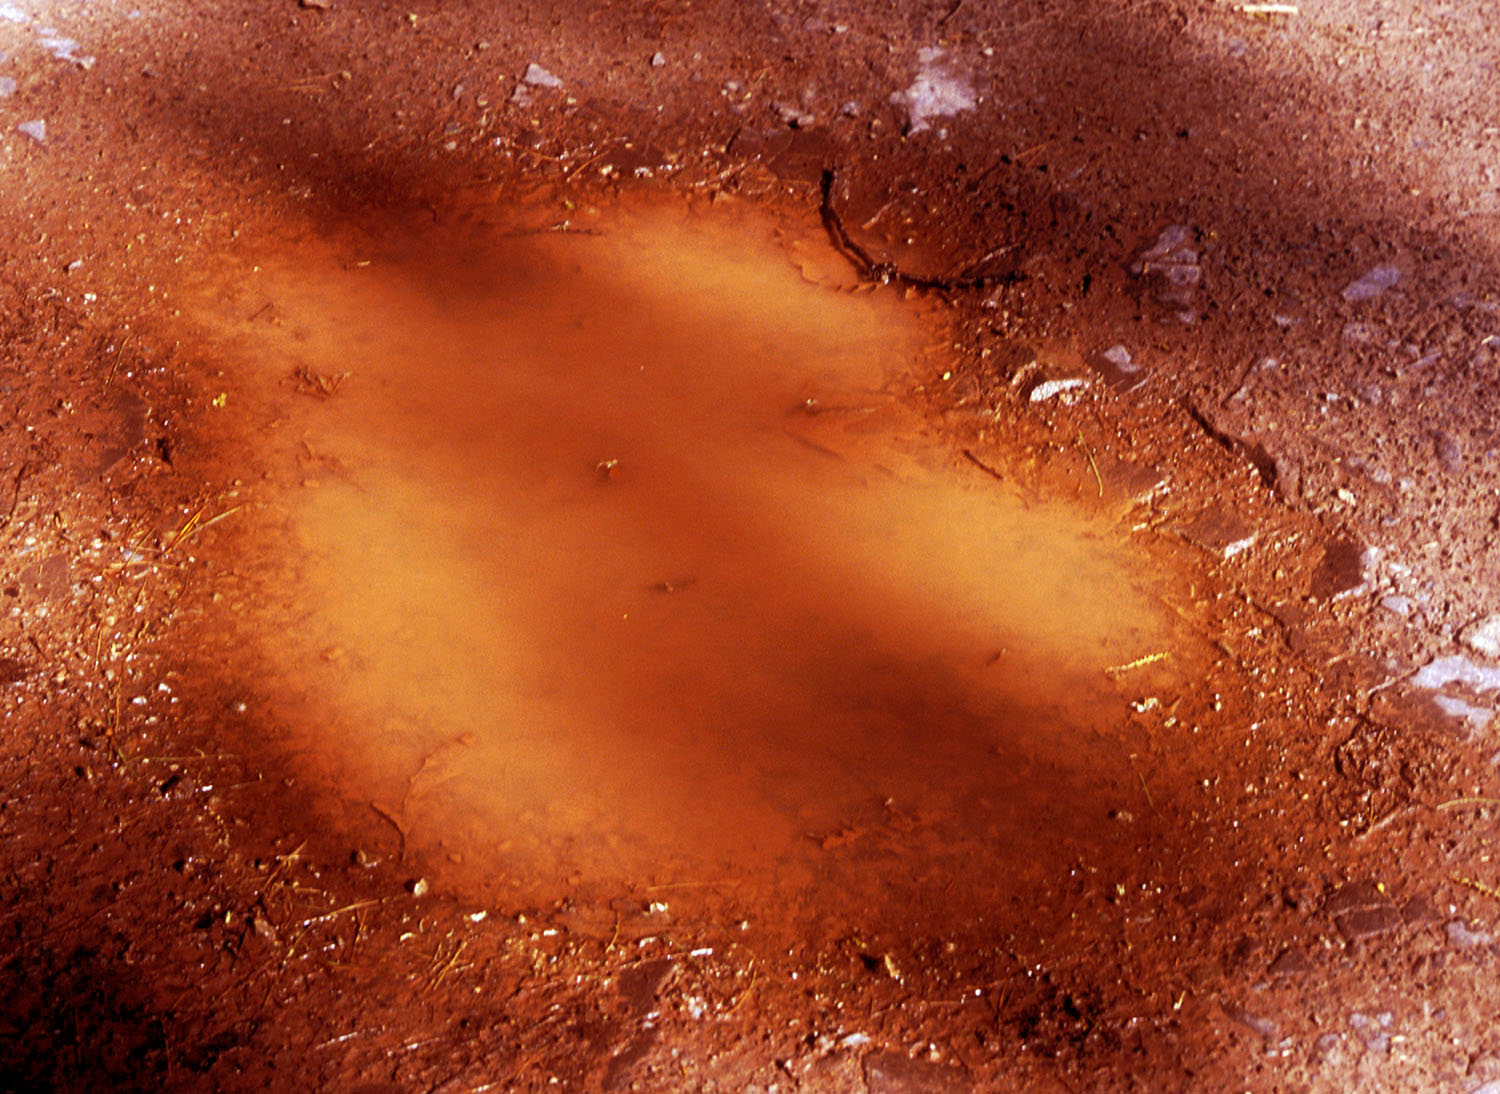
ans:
(196, 524)
(1139, 662)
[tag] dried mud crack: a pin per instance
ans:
(525, 568)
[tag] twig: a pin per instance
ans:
(887, 273)
(986, 468)
(1457, 803)
(358, 904)
(754, 976)
(1146, 788)
(119, 353)
(285, 861)
(15, 493)
(401, 832)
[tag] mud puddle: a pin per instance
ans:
(611, 554)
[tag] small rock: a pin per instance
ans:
(1356, 895)
(898, 1073)
(1374, 1030)
(937, 92)
(1483, 636)
(64, 49)
(1328, 1050)
(264, 928)
(418, 887)
(1291, 962)
(7, 86)
(794, 117)
(1449, 452)
(1476, 717)
(320, 5)
(1463, 937)
(658, 60)
(1048, 389)
(1368, 922)
(1170, 267)
(1484, 1068)
(36, 130)
(1363, 909)
(1343, 571)
(1419, 912)
(1397, 605)
(1219, 531)
(1118, 369)
(1372, 283)
(1455, 669)
(537, 76)
(1251, 1021)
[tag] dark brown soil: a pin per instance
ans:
(1262, 244)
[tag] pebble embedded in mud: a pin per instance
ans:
(1363, 909)
(1292, 961)
(1483, 636)
(1372, 283)
(1051, 389)
(1118, 368)
(898, 1073)
(938, 91)
(1219, 532)
(1171, 271)
(537, 76)
(1464, 937)
(1375, 1030)
(1250, 1020)
(1344, 570)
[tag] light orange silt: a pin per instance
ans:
(618, 552)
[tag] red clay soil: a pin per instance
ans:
(1220, 276)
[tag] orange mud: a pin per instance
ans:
(613, 554)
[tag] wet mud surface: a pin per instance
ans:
(692, 547)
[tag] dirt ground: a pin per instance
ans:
(1220, 276)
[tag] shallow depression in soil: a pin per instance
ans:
(616, 550)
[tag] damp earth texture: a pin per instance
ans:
(792, 546)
